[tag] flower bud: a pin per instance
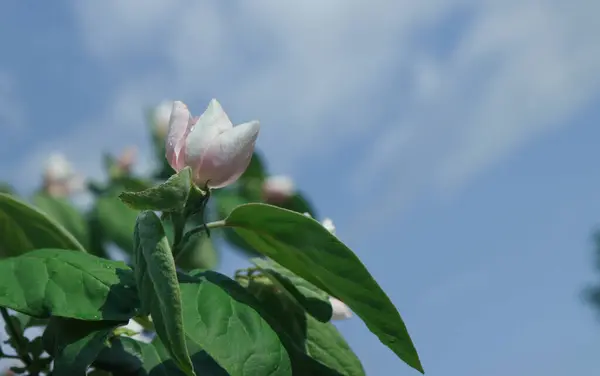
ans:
(60, 180)
(58, 168)
(127, 159)
(217, 152)
(277, 189)
(160, 116)
(340, 310)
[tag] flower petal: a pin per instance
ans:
(340, 310)
(227, 156)
(179, 124)
(206, 127)
(214, 117)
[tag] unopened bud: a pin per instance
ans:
(160, 116)
(127, 159)
(217, 152)
(278, 189)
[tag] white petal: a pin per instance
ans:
(214, 117)
(227, 156)
(178, 128)
(162, 115)
(206, 128)
(328, 224)
(340, 310)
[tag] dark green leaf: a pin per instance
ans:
(27, 321)
(14, 330)
(67, 283)
(197, 253)
(6, 188)
(226, 201)
(125, 356)
(74, 344)
(289, 320)
(299, 204)
(219, 313)
(313, 300)
(116, 221)
(325, 344)
(305, 247)
(256, 169)
(63, 212)
(24, 228)
(159, 289)
(171, 195)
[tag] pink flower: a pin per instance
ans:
(277, 189)
(217, 152)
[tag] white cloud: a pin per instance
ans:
(319, 76)
(519, 70)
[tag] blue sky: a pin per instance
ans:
(453, 142)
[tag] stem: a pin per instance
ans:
(178, 227)
(14, 333)
(195, 231)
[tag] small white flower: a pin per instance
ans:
(278, 188)
(60, 179)
(340, 310)
(328, 224)
(58, 168)
(307, 214)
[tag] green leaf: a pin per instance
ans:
(171, 195)
(27, 321)
(290, 322)
(306, 248)
(299, 204)
(226, 201)
(24, 228)
(63, 212)
(310, 298)
(69, 284)
(125, 356)
(251, 182)
(116, 221)
(159, 289)
(256, 169)
(218, 313)
(6, 188)
(75, 344)
(325, 344)
(197, 253)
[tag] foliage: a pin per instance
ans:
(272, 318)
